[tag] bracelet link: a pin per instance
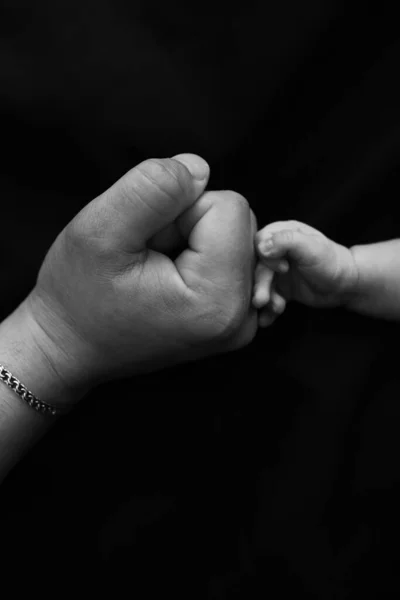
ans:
(15, 384)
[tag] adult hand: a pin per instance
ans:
(111, 301)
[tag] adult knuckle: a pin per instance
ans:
(236, 199)
(79, 231)
(81, 239)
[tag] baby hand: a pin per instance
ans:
(266, 297)
(297, 262)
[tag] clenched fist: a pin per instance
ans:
(153, 272)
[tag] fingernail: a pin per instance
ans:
(283, 267)
(197, 166)
(266, 246)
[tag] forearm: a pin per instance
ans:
(21, 353)
(377, 291)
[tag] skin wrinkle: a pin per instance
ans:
(162, 187)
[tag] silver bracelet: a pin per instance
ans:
(19, 388)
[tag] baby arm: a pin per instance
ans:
(377, 290)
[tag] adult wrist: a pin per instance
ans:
(28, 353)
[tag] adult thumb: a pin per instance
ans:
(148, 198)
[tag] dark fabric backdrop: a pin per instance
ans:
(271, 472)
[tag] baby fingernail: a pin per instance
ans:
(283, 267)
(266, 246)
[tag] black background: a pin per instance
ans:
(270, 472)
